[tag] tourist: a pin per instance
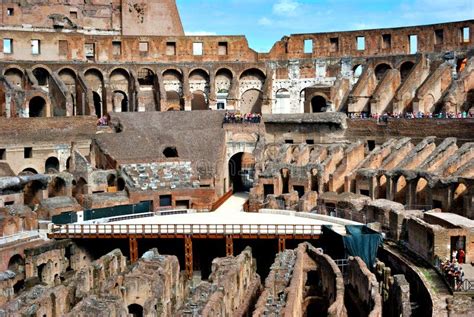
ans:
(461, 256)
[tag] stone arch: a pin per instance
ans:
(199, 80)
(254, 73)
(120, 184)
(357, 70)
(405, 69)
(42, 75)
(16, 264)
(32, 193)
(199, 101)
(382, 187)
(175, 101)
(428, 102)
(111, 180)
(251, 101)
(119, 79)
(381, 69)
(241, 171)
(28, 171)
(37, 107)
(422, 188)
(401, 189)
(57, 187)
(69, 77)
(95, 82)
(282, 101)
(173, 84)
(51, 166)
(80, 187)
(120, 101)
(146, 76)
(318, 104)
(15, 76)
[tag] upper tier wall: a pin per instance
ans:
(62, 46)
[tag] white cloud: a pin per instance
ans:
(192, 33)
(286, 7)
(265, 21)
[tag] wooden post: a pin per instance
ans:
(188, 256)
(281, 244)
(133, 243)
(229, 246)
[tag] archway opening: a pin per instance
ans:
(199, 101)
(135, 310)
(251, 101)
(421, 193)
(41, 75)
(285, 180)
(381, 70)
(37, 107)
(16, 264)
(146, 77)
(28, 171)
(241, 171)
(32, 193)
(382, 192)
(97, 104)
(41, 272)
(120, 101)
(318, 104)
(57, 187)
(357, 70)
(175, 102)
(51, 165)
(400, 193)
(80, 188)
(282, 101)
(15, 77)
(405, 70)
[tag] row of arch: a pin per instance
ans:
(120, 84)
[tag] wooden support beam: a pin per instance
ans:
(133, 243)
(229, 246)
(281, 244)
(188, 256)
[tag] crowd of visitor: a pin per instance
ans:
(452, 269)
(237, 117)
(411, 115)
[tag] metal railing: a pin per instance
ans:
(187, 229)
(342, 265)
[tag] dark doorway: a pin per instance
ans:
(405, 70)
(97, 104)
(51, 166)
(380, 70)
(135, 310)
(299, 189)
(318, 104)
(241, 171)
(37, 107)
(268, 189)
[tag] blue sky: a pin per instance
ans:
(264, 22)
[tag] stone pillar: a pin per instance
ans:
(449, 197)
(373, 189)
(187, 95)
(390, 188)
(411, 192)
(160, 90)
(212, 90)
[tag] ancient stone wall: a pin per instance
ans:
(363, 289)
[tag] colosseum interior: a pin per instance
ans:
(148, 173)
